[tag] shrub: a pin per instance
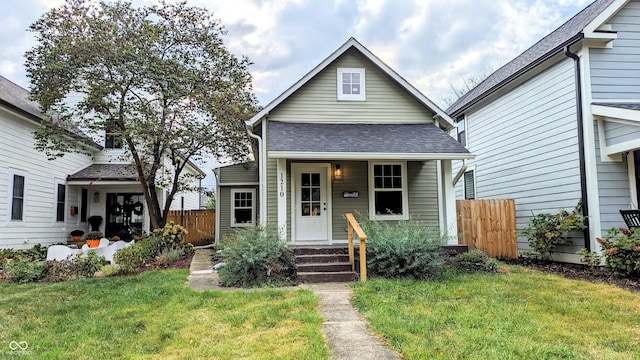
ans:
(92, 235)
(61, 270)
(25, 270)
(256, 256)
(408, 249)
(133, 257)
(546, 231)
(590, 258)
(110, 270)
(170, 236)
(90, 264)
(476, 261)
(622, 251)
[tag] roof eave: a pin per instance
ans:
(368, 156)
(540, 60)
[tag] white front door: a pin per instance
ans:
(310, 198)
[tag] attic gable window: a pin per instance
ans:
(351, 84)
(113, 139)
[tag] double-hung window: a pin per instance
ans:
(17, 198)
(60, 201)
(351, 84)
(113, 139)
(462, 131)
(388, 197)
(243, 207)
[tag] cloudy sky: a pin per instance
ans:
(431, 43)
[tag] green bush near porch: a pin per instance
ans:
(407, 249)
(255, 256)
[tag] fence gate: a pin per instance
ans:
(201, 224)
(488, 225)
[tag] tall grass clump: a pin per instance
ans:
(406, 249)
(255, 256)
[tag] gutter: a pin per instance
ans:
(262, 162)
(581, 156)
(460, 172)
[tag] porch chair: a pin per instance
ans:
(104, 242)
(60, 252)
(631, 218)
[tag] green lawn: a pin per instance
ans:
(520, 314)
(155, 316)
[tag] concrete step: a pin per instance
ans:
(319, 277)
(322, 258)
(313, 250)
(324, 267)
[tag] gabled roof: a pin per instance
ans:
(567, 34)
(353, 43)
(17, 98)
(384, 141)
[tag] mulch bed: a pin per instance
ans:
(580, 272)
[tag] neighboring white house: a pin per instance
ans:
(561, 123)
(42, 201)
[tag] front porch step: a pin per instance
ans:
(323, 264)
(324, 267)
(319, 277)
(322, 258)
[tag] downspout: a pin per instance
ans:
(262, 178)
(581, 156)
(460, 172)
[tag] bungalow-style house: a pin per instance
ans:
(42, 201)
(350, 136)
(560, 124)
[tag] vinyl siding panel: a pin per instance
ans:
(354, 179)
(386, 101)
(239, 173)
(224, 208)
(615, 72)
(613, 188)
(41, 178)
(422, 180)
(527, 148)
(272, 191)
(616, 133)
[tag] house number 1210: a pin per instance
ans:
(281, 184)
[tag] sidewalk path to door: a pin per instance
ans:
(345, 329)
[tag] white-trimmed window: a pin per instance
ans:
(462, 130)
(17, 197)
(61, 196)
(243, 207)
(469, 185)
(388, 199)
(351, 84)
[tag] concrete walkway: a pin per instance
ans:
(345, 329)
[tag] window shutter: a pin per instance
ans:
(469, 190)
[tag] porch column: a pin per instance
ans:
(448, 202)
(282, 198)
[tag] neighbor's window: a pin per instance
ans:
(351, 84)
(462, 133)
(113, 139)
(17, 198)
(388, 191)
(62, 190)
(469, 185)
(243, 210)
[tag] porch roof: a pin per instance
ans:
(362, 141)
(104, 172)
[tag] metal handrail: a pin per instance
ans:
(354, 226)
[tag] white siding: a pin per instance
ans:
(526, 145)
(41, 177)
(615, 72)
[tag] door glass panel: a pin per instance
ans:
(310, 194)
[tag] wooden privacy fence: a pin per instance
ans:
(201, 224)
(488, 225)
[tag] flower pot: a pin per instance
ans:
(93, 243)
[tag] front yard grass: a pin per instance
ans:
(155, 316)
(517, 314)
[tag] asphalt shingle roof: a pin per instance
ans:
(628, 106)
(364, 138)
(17, 97)
(102, 172)
(549, 45)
